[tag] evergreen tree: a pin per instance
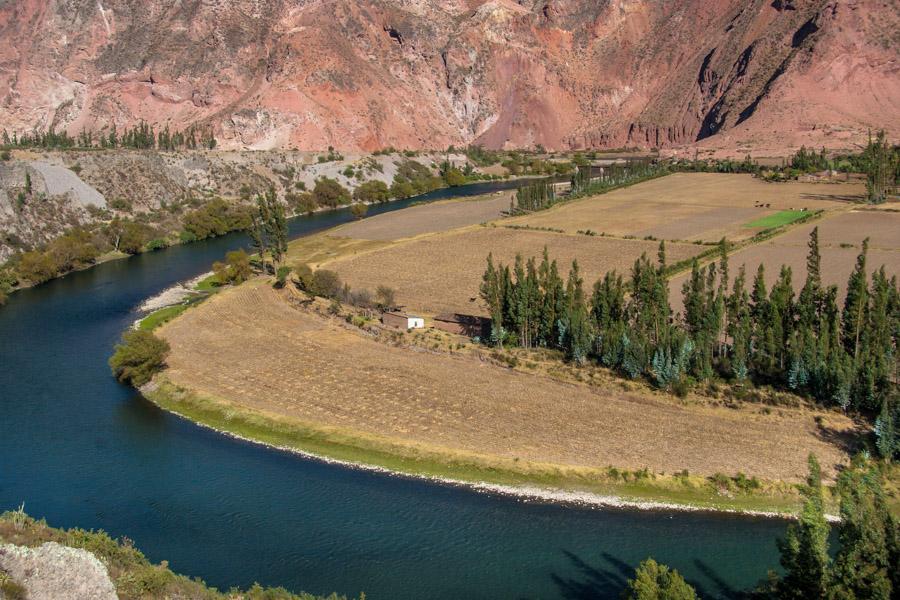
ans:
(653, 581)
(855, 302)
(804, 551)
(863, 567)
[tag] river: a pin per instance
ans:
(82, 450)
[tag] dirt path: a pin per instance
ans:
(250, 347)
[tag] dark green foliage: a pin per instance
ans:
(414, 178)
(372, 192)
(138, 356)
(866, 563)
(881, 164)
(323, 283)
(536, 196)
(867, 559)
(802, 343)
(653, 581)
(804, 551)
(268, 229)
(214, 219)
(328, 192)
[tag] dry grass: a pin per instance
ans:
(251, 347)
(428, 218)
(691, 206)
(442, 272)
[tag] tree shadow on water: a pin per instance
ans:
(606, 580)
(610, 577)
(720, 587)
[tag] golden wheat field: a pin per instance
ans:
(250, 346)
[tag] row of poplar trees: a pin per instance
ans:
(807, 342)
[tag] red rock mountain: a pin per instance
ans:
(363, 74)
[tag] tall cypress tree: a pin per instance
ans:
(863, 567)
(804, 551)
(855, 303)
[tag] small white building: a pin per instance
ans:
(402, 320)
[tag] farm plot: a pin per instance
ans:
(427, 218)
(840, 240)
(691, 206)
(249, 347)
(442, 272)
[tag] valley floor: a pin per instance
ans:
(271, 366)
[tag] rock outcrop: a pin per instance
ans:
(365, 74)
(56, 572)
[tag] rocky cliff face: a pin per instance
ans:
(363, 74)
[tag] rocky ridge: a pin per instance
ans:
(365, 74)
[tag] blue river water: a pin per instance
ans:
(82, 450)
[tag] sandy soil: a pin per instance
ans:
(691, 206)
(442, 272)
(249, 346)
(428, 218)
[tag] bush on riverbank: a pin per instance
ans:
(133, 575)
(138, 357)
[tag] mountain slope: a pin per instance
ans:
(363, 74)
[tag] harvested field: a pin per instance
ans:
(880, 226)
(428, 218)
(442, 272)
(249, 346)
(691, 206)
(840, 240)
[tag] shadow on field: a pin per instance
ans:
(846, 441)
(855, 198)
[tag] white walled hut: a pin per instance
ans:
(400, 320)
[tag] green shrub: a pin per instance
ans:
(36, 267)
(138, 356)
(372, 191)
(328, 192)
(653, 581)
(281, 276)
(157, 244)
(359, 211)
(324, 283)
(9, 589)
(235, 270)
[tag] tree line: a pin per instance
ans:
(865, 565)
(142, 136)
(841, 355)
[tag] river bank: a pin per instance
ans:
(525, 481)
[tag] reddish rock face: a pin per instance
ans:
(364, 74)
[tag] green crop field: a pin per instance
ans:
(779, 219)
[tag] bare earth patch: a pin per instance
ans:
(442, 272)
(691, 206)
(249, 346)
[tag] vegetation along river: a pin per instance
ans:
(82, 450)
